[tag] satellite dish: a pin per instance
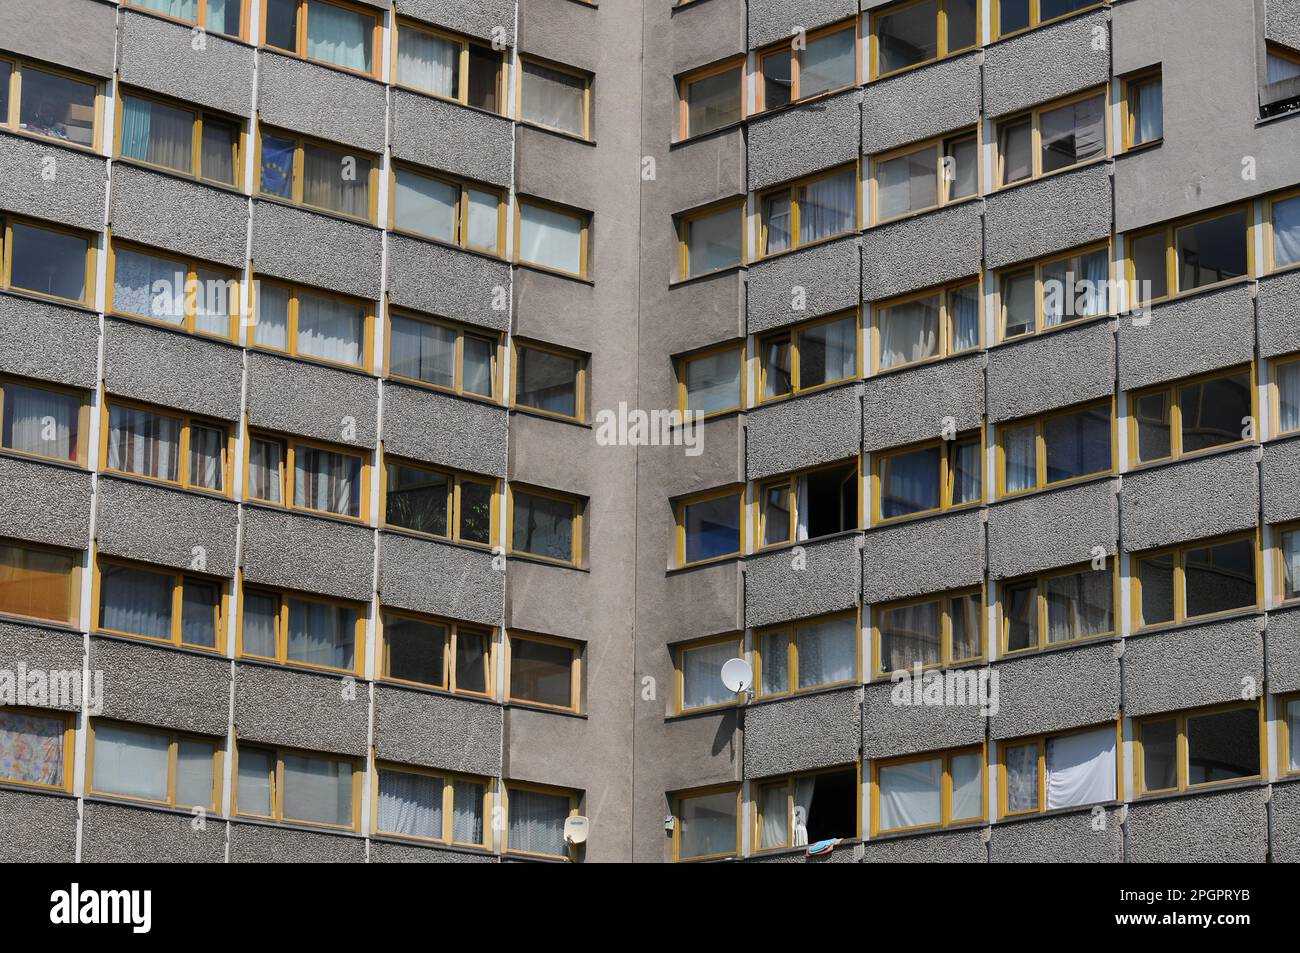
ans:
(737, 675)
(575, 829)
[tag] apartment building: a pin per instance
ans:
(313, 317)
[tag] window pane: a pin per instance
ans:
(199, 602)
(967, 787)
(1286, 232)
(962, 23)
(828, 207)
(261, 614)
(194, 783)
(327, 481)
(1020, 611)
(775, 658)
(484, 78)
(471, 661)
(1079, 605)
(1020, 455)
(827, 652)
(331, 329)
(1220, 577)
(281, 24)
(1075, 287)
(31, 748)
(909, 482)
(143, 443)
(714, 240)
(158, 134)
(908, 183)
(410, 804)
(206, 461)
(1018, 304)
(708, 825)
(336, 181)
(776, 79)
(223, 17)
(777, 378)
(1074, 133)
(317, 790)
(6, 71)
(483, 221)
(1293, 731)
(1147, 102)
(339, 36)
(774, 811)
(963, 168)
(467, 812)
(1013, 15)
(910, 635)
(909, 36)
(776, 514)
(428, 62)
(911, 794)
(427, 206)
(131, 763)
(1080, 768)
(477, 365)
(48, 262)
(215, 294)
(1211, 251)
(1149, 266)
(537, 822)
(828, 352)
(35, 583)
(541, 672)
(1151, 412)
(965, 615)
(414, 650)
(1050, 9)
(909, 332)
(1160, 755)
(1215, 412)
(1222, 746)
(1022, 777)
(1015, 146)
(702, 674)
(321, 634)
(149, 286)
(57, 106)
(40, 421)
(547, 381)
(543, 526)
(1291, 576)
(550, 238)
(967, 470)
(713, 382)
(265, 469)
(776, 223)
(422, 351)
(829, 62)
(712, 528)
(475, 512)
(272, 319)
(254, 791)
(713, 102)
(1156, 577)
(277, 167)
(136, 601)
(553, 98)
(1077, 444)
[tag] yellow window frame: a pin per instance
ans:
(679, 798)
(580, 384)
(448, 779)
(683, 365)
(187, 423)
(1170, 232)
(460, 330)
(685, 223)
(1270, 229)
(7, 223)
(300, 37)
(788, 782)
(523, 61)
(945, 602)
(680, 652)
(1038, 269)
(283, 598)
(687, 80)
(1172, 393)
(506, 788)
(298, 182)
(1128, 104)
(943, 194)
(575, 650)
(794, 191)
(462, 62)
(1035, 18)
(787, 485)
(792, 631)
(69, 746)
(459, 226)
(679, 512)
(1181, 751)
(945, 788)
(455, 480)
(288, 462)
(72, 601)
(584, 242)
(201, 17)
(178, 579)
(944, 346)
(193, 286)
(575, 503)
(1034, 117)
(81, 450)
(947, 475)
(941, 35)
(276, 781)
(796, 52)
(791, 335)
(452, 629)
(1284, 739)
(12, 121)
(1279, 562)
(174, 739)
(295, 293)
(1178, 554)
(1039, 424)
(199, 114)
(1041, 742)
(1039, 582)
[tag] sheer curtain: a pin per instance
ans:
(194, 773)
(148, 286)
(537, 822)
(336, 181)
(272, 319)
(1019, 446)
(801, 509)
(802, 812)
(136, 601)
(1288, 397)
(965, 316)
(131, 763)
(317, 789)
(40, 421)
(910, 483)
(158, 134)
(911, 635)
(339, 36)
(330, 329)
(839, 347)
(827, 207)
(466, 812)
(199, 614)
(702, 675)
(143, 443)
(214, 295)
(1081, 768)
(31, 748)
(1022, 777)
(205, 457)
(254, 790)
(827, 652)
(910, 794)
(265, 458)
(776, 662)
(968, 467)
(776, 221)
(427, 206)
(482, 225)
(550, 238)
(1078, 605)
(423, 351)
(181, 9)
(321, 634)
(427, 62)
(1286, 232)
(1095, 271)
(967, 787)
(261, 613)
(410, 804)
(909, 332)
(1150, 111)
(553, 98)
(775, 810)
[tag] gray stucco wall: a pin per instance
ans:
(308, 553)
(25, 329)
(1283, 22)
(1284, 650)
(172, 369)
(440, 578)
(169, 688)
(957, 847)
(820, 730)
(311, 400)
(446, 431)
(922, 251)
(160, 210)
(921, 556)
(75, 194)
(449, 282)
(1190, 500)
(475, 17)
(388, 852)
(827, 581)
(322, 102)
(115, 833)
(921, 103)
(791, 143)
(910, 406)
(804, 430)
(1194, 666)
(1057, 691)
(1281, 474)
(891, 729)
(77, 34)
(771, 20)
(435, 730)
(1060, 211)
(268, 844)
(44, 503)
(1046, 63)
(1285, 806)
(159, 56)
(279, 706)
(1073, 837)
(1279, 322)
(1051, 371)
(1216, 828)
(822, 278)
(166, 527)
(39, 828)
(1187, 336)
(50, 650)
(1052, 529)
(318, 250)
(451, 138)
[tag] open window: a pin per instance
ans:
(1058, 771)
(809, 505)
(808, 808)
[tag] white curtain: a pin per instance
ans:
(260, 615)
(828, 352)
(199, 614)
(713, 382)
(205, 457)
(1280, 69)
(194, 771)
(967, 787)
(702, 674)
(1286, 232)
(828, 207)
(317, 789)
(321, 634)
(964, 305)
(410, 804)
(148, 286)
(330, 329)
(967, 463)
(801, 509)
(828, 63)
(136, 601)
(476, 365)
(335, 180)
(1022, 777)
(328, 481)
(537, 822)
(910, 794)
(1019, 445)
(40, 421)
(776, 662)
(550, 238)
(827, 652)
(427, 206)
(909, 332)
(1149, 106)
(130, 763)
(214, 295)
(339, 36)
(427, 62)
(483, 219)
(31, 748)
(776, 219)
(466, 812)
(801, 814)
(254, 791)
(422, 351)
(1081, 768)
(775, 811)
(911, 634)
(272, 319)
(264, 461)
(908, 183)
(223, 16)
(553, 98)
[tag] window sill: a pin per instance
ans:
(572, 137)
(704, 564)
(312, 210)
(542, 561)
(308, 359)
(440, 692)
(1146, 307)
(52, 141)
(884, 524)
(1062, 485)
(915, 67)
(399, 841)
(807, 100)
(214, 654)
(35, 623)
(855, 233)
(376, 55)
(928, 361)
(554, 273)
(1031, 816)
(813, 541)
(192, 27)
(958, 828)
(1214, 788)
(1229, 615)
(854, 685)
(1046, 23)
(544, 709)
(1080, 322)
(554, 418)
(18, 455)
(1221, 450)
(1053, 647)
(170, 329)
(425, 94)
(921, 212)
(737, 269)
(50, 300)
(308, 514)
(1139, 147)
(426, 388)
(887, 678)
(450, 246)
(16, 787)
(806, 391)
(300, 826)
(484, 548)
(298, 667)
(717, 132)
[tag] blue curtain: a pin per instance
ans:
(136, 119)
(339, 36)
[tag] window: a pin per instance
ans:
(298, 787)
(435, 653)
(1194, 580)
(1059, 771)
(47, 260)
(422, 804)
(708, 824)
(163, 767)
(535, 819)
(551, 237)
(909, 34)
(808, 505)
(449, 505)
(827, 61)
(807, 809)
(936, 475)
(1144, 113)
(156, 603)
(1189, 416)
(555, 97)
(544, 671)
(1055, 292)
(302, 630)
(712, 381)
(932, 324)
(1057, 607)
(1067, 445)
(809, 210)
(1284, 226)
(449, 66)
(215, 16)
(179, 139)
(808, 654)
(317, 175)
(708, 527)
(1289, 557)
(43, 420)
(710, 99)
(50, 103)
(1182, 257)
(1016, 15)
(179, 292)
(699, 673)
(447, 356)
(550, 380)
(168, 447)
(334, 33)
(458, 213)
(922, 177)
(307, 476)
(1051, 138)
(1289, 737)
(546, 525)
(36, 748)
(37, 582)
(930, 631)
(809, 356)
(1286, 377)
(1192, 749)
(711, 240)
(933, 790)
(306, 322)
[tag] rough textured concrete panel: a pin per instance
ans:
(118, 834)
(791, 143)
(444, 430)
(307, 553)
(1052, 529)
(561, 31)
(74, 33)
(50, 650)
(1190, 667)
(801, 733)
(152, 685)
(804, 431)
(555, 600)
(299, 710)
(910, 406)
(474, 17)
(1048, 215)
(1279, 318)
(1056, 691)
(1283, 22)
(308, 399)
(1190, 500)
(707, 168)
(557, 454)
(922, 251)
(171, 369)
(423, 575)
(451, 138)
(318, 250)
(39, 828)
(26, 327)
(160, 211)
(44, 503)
(1284, 651)
(921, 103)
(1051, 371)
(707, 33)
(75, 196)
(771, 20)
(841, 854)
(828, 581)
(448, 282)
(160, 525)
(1285, 806)
(387, 852)
(958, 847)
(890, 730)
(1044, 64)
(558, 168)
(1187, 337)
(1227, 827)
(438, 731)
(1281, 466)
(1071, 837)
(824, 278)
(265, 844)
(921, 556)
(159, 56)
(322, 102)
